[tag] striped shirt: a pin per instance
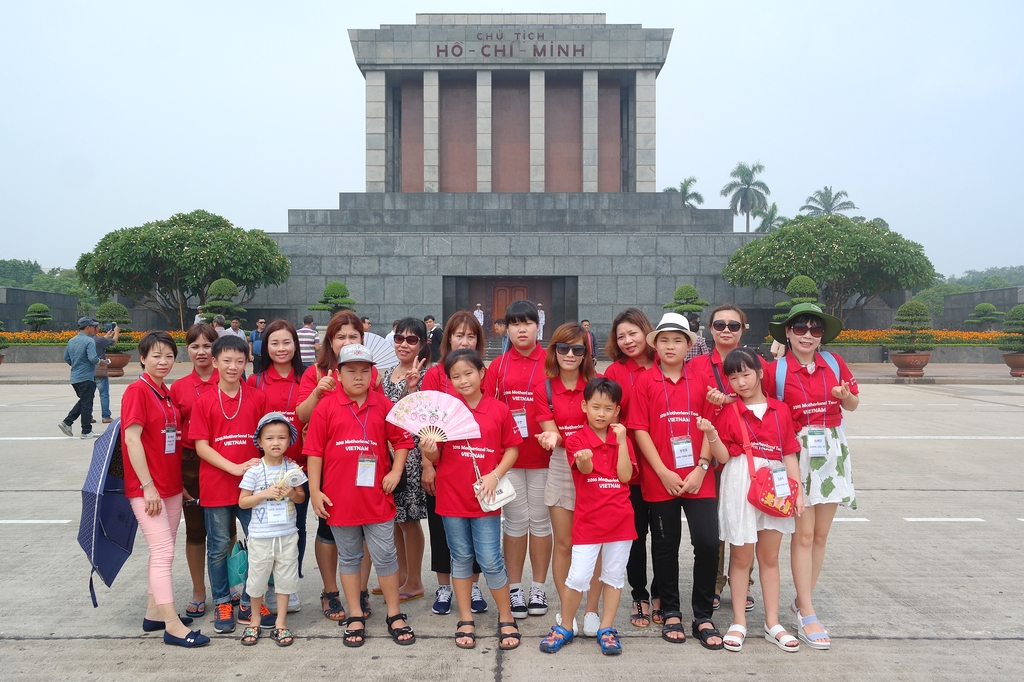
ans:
(307, 344)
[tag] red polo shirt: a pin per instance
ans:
(185, 392)
(625, 373)
(568, 416)
(706, 365)
(666, 409)
(228, 425)
(436, 380)
(770, 437)
(312, 376)
(511, 379)
(810, 395)
(340, 432)
(152, 407)
(455, 475)
(603, 510)
(282, 396)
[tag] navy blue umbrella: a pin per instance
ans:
(107, 531)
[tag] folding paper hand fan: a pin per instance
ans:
(434, 414)
(383, 352)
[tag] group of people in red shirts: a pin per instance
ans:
(596, 463)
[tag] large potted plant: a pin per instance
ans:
(119, 354)
(910, 339)
(1013, 344)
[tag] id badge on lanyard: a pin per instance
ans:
(277, 511)
(682, 450)
(170, 439)
(781, 482)
(816, 442)
(520, 417)
(366, 474)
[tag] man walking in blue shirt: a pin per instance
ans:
(81, 355)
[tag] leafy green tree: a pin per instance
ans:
(770, 219)
(912, 329)
(37, 316)
(166, 264)
(746, 193)
(18, 273)
(801, 289)
(852, 264)
(985, 317)
(690, 198)
(686, 300)
(1013, 328)
(65, 281)
(1009, 277)
(934, 297)
(824, 202)
(220, 301)
(112, 311)
(335, 299)
(876, 221)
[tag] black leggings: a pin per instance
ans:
(636, 568)
(440, 554)
(666, 534)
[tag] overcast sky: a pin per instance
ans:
(114, 114)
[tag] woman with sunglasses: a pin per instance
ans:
(559, 408)
(817, 386)
(411, 501)
(727, 325)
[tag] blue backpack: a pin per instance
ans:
(781, 371)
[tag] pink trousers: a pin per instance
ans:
(160, 532)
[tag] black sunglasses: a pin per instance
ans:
(564, 348)
(411, 339)
(801, 328)
(722, 325)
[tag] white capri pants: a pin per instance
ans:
(527, 513)
(614, 556)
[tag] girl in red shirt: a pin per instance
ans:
(472, 532)
(462, 330)
(559, 407)
(631, 357)
(511, 379)
(344, 329)
(817, 397)
(279, 377)
(769, 429)
(184, 392)
(151, 439)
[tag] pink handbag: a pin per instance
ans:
(762, 485)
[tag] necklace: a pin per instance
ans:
(220, 398)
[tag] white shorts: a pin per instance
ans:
(279, 556)
(614, 556)
(527, 513)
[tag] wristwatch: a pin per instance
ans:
(703, 463)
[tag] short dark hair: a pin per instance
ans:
(740, 359)
(203, 330)
(307, 319)
(230, 342)
(364, 319)
(429, 317)
(462, 355)
(151, 340)
(522, 311)
(236, 318)
(501, 321)
(415, 326)
(603, 386)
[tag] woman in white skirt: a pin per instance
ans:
(558, 402)
(817, 386)
(772, 437)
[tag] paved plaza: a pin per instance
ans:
(922, 581)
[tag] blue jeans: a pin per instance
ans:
(86, 392)
(478, 538)
(219, 522)
(103, 384)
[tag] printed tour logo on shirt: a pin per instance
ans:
(232, 439)
(676, 416)
(522, 396)
(359, 442)
(605, 482)
(479, 452)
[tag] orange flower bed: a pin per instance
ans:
(944, 337)
(60, 338)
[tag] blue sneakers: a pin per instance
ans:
(477, 603)
(442, 600)
(556, 639)
(224, 618)
(267, 619)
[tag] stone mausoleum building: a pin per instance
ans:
(510, 156)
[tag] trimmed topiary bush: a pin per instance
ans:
(687, 300)
(985, 317)
(37, 316)
(112, 311)
(801, 289)
(912, 327)
(335, 299)
(1013, 328)
(220, 301)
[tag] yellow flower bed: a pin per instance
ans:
(943, 337)
(55, 338)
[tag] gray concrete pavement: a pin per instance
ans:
(920, 600)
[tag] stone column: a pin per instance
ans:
(376, 132)
(483, 131)
(431, 112)
(536, 131)
(646, 119)
(590, 131)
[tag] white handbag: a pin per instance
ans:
(503, 493)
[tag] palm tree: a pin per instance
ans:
(689, 198)
(747, 194)
(770, 219)
(823, 202)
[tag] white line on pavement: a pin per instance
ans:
(935, 437)
(41, 438)
(946, 520)
(897, 404)
(943, 404)
(35, 521)
(850, 520)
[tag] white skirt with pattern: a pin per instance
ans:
(828, 480)
(738, 520)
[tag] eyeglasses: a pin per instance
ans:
(800, 328)
(564, 348)
(722, 325)
(411, 339)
